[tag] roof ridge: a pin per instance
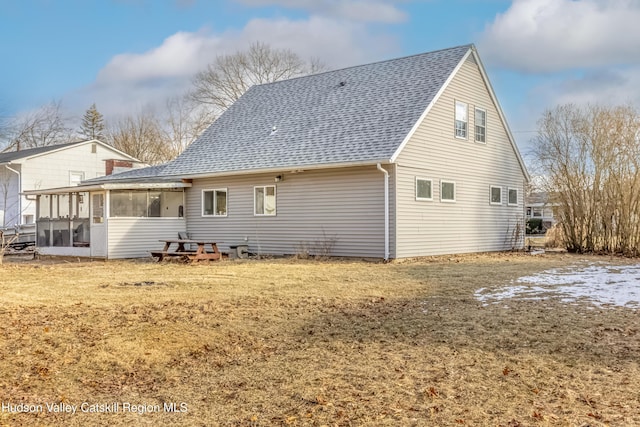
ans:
(382, 61)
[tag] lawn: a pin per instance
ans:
(293, 342)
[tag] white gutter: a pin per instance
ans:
(386, 211)
(19, 195)
(279, 169)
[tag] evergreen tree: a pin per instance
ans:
(92, 126)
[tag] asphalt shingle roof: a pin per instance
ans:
(352, 115)
(136, 174)
(15, 155)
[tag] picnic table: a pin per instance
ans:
(182, 248)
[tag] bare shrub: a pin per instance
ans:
(5, 243)
(554, 238)
(590, 157)
(321, 248)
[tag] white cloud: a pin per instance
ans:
(551, 35)
(356, 10)
(178, 55)
(609, 87)
(131, 81)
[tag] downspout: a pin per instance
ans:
(19, 195)
(386, 211)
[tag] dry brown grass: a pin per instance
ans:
(290, 342)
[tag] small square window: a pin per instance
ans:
(75, 178)
(447, 191)
(495, 194)
(423, 189)
(513, 196)
(214, 202)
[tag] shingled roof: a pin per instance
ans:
(11, 156)
(356, 115)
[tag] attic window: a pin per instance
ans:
(461, 120)
(481, 125)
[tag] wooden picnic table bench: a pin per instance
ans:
(202, 253)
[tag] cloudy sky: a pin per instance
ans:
(126, 54)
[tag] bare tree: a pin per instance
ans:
(5, 131)
(185, 120)
(92, 126)
(142, 137)
(230, 76)
(591, 160)
(40, 128)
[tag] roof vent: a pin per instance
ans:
(342, 83)
(274, 129)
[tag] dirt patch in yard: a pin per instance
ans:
(290, 342)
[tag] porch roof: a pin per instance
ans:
(109, 186)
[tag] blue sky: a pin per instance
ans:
(125, 55)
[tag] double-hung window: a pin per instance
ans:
(264, 200)
(214, 202)
(462, 119)
(481, 125)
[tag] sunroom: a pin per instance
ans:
(108, 220)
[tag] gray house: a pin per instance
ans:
(400, 158)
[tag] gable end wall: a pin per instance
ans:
(471, 224)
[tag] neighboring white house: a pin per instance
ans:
(51, 166)
(400, 158)
(539, 206)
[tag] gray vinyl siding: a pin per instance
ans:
(312, 206)
(471, 224)
(135, 237)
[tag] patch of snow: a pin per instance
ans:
(600, 284)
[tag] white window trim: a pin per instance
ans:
(77, 173)
(428, 199)
(491, 195)
(485, 126)
(508, 201)
(275, 196)
(214, 191)
(455, 190)
(455, 119)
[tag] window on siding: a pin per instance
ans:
(214, 202)
(461, 120)
(423, 189)
(75, 178)
(495, 195)
(481, 125)
(145, 203)
(513, 196)
(447, 191)
(264, 200)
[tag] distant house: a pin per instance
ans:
(539, 206)
(400, 158)
(53, 166)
